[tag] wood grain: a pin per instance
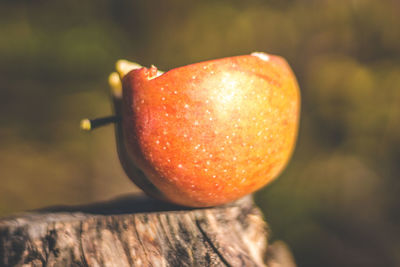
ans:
(134, 231)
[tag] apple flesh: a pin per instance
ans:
(211, 132)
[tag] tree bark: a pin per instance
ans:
(134, 231)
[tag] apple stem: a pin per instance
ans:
(88, 125)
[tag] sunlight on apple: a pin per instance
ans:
(227, 95)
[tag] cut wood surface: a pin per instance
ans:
(137, 231)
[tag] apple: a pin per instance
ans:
(207, 133)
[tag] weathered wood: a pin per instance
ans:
(135, 232)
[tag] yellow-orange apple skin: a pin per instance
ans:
(209, 133)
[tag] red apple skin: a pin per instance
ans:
(211, 132)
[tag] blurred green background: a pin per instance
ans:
(336, 204)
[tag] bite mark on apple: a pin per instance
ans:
(261, 55)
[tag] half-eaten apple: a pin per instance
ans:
(207, 133)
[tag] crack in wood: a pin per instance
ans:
(141, 242)
(83, 256)
(212, 245)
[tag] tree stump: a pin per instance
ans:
(137, 231)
